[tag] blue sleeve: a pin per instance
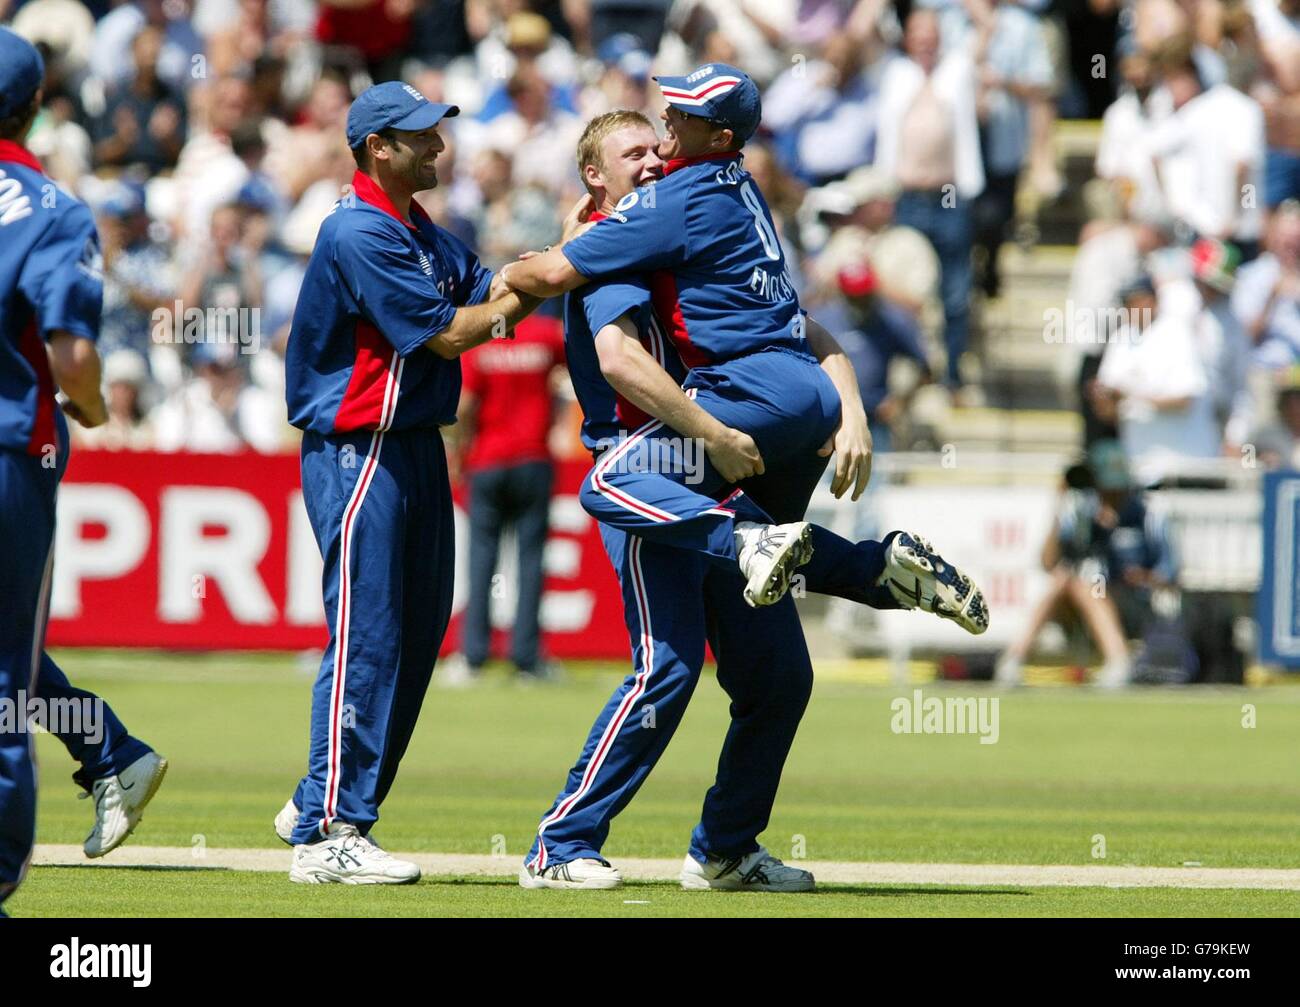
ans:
(388, 287)
(472, 278)
(607, 302)
(63, 277)
(646, 231)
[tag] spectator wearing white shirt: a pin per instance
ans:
(823, 113)
(1153, 383)
(1122, 158)
(1104, 266)
(218, 411)
(1267, 294)
(1208, 158)
(928, 139)
(1225, 348)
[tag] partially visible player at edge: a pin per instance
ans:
(704, 239)
(388, 303)
(51, 292)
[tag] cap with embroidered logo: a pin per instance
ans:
(718, 92)
(393, 105)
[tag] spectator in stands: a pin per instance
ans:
(602, 19)
(218, 410)
(1208, 157)
(1103, 267)
(143, 124)
(1277, 30)
(227, 283)
(375, 31)
(624, 79)
(928, 139)
(125, 383)
(823, 113)
(110, 53)
(538, 136)
(1153, 384)
(527, 48)
(138, 274)
(1277, 443)
(874, 333)
(1122, 158)
(506, 415)
(1222, 341)
(209, 173)
(305, 153)
(1267, 294)
(901, 258)
(1014, 73)
(1107, 551)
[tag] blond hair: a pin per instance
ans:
(593, 137)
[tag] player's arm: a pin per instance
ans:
(74, 363)
(550, 273)
(475, 324)
(645, 233)
(637, 376)
(851, 441)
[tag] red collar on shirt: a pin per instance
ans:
(10, 151)
(597, 215)
(682, 162)
(369, 191)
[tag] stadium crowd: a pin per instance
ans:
(207, 135)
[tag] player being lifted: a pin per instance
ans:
(674, 600)
(755, 396)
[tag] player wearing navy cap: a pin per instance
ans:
(388, 303)
(674, 600)
(51, 291)
(705, 240)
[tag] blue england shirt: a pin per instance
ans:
(51, 280)
(377, 287)
(704, 237)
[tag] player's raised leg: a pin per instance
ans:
(663, 606)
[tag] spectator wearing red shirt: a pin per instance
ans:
(507, 412)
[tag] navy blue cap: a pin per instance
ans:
(718, 92)
(21, 72)
(392, 105)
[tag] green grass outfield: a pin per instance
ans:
(1167, 777)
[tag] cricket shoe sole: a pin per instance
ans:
(919, 578)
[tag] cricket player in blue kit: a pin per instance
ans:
(388, 303)
(51, 291)
(705, 240)
(674, 601)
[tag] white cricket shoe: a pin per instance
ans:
(286, 821)
(586, 872)
(349, 858)
(755, 872)
(918, 577)
(120, 802)
(768, 555)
